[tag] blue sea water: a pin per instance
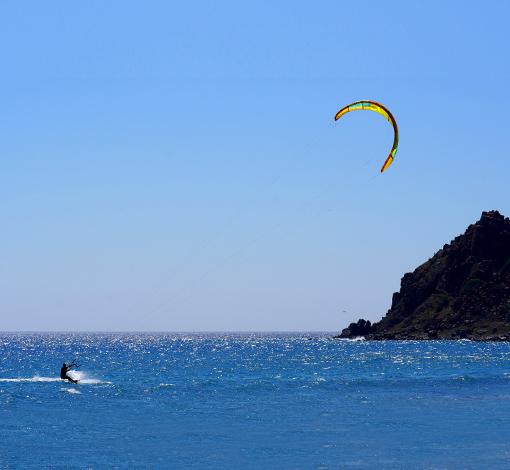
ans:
(252, 401)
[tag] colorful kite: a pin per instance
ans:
(378, 108)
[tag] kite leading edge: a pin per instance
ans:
(378, 108)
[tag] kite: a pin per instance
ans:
(378, 108)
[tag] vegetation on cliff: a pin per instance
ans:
(463, 291)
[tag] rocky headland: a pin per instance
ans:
(463, 291)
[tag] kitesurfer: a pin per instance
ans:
(63, 373)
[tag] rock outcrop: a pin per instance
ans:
(463, 291)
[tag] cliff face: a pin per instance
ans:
(463, 291)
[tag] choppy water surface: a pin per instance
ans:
(236, 401)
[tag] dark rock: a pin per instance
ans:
(462, 292)
(362, 328)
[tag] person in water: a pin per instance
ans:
(63, 373)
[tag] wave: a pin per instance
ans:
(86, 381)
(351, 340)
(33, 379)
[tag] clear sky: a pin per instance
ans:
(174, 166)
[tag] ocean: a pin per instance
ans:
(252, 401)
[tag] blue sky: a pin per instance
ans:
(174, 166)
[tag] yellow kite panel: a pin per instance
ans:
(378, 108)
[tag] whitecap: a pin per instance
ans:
(33, 379)
(92, 381)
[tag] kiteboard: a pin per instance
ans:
(73, 381)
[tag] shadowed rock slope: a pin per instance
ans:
(463, 291)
